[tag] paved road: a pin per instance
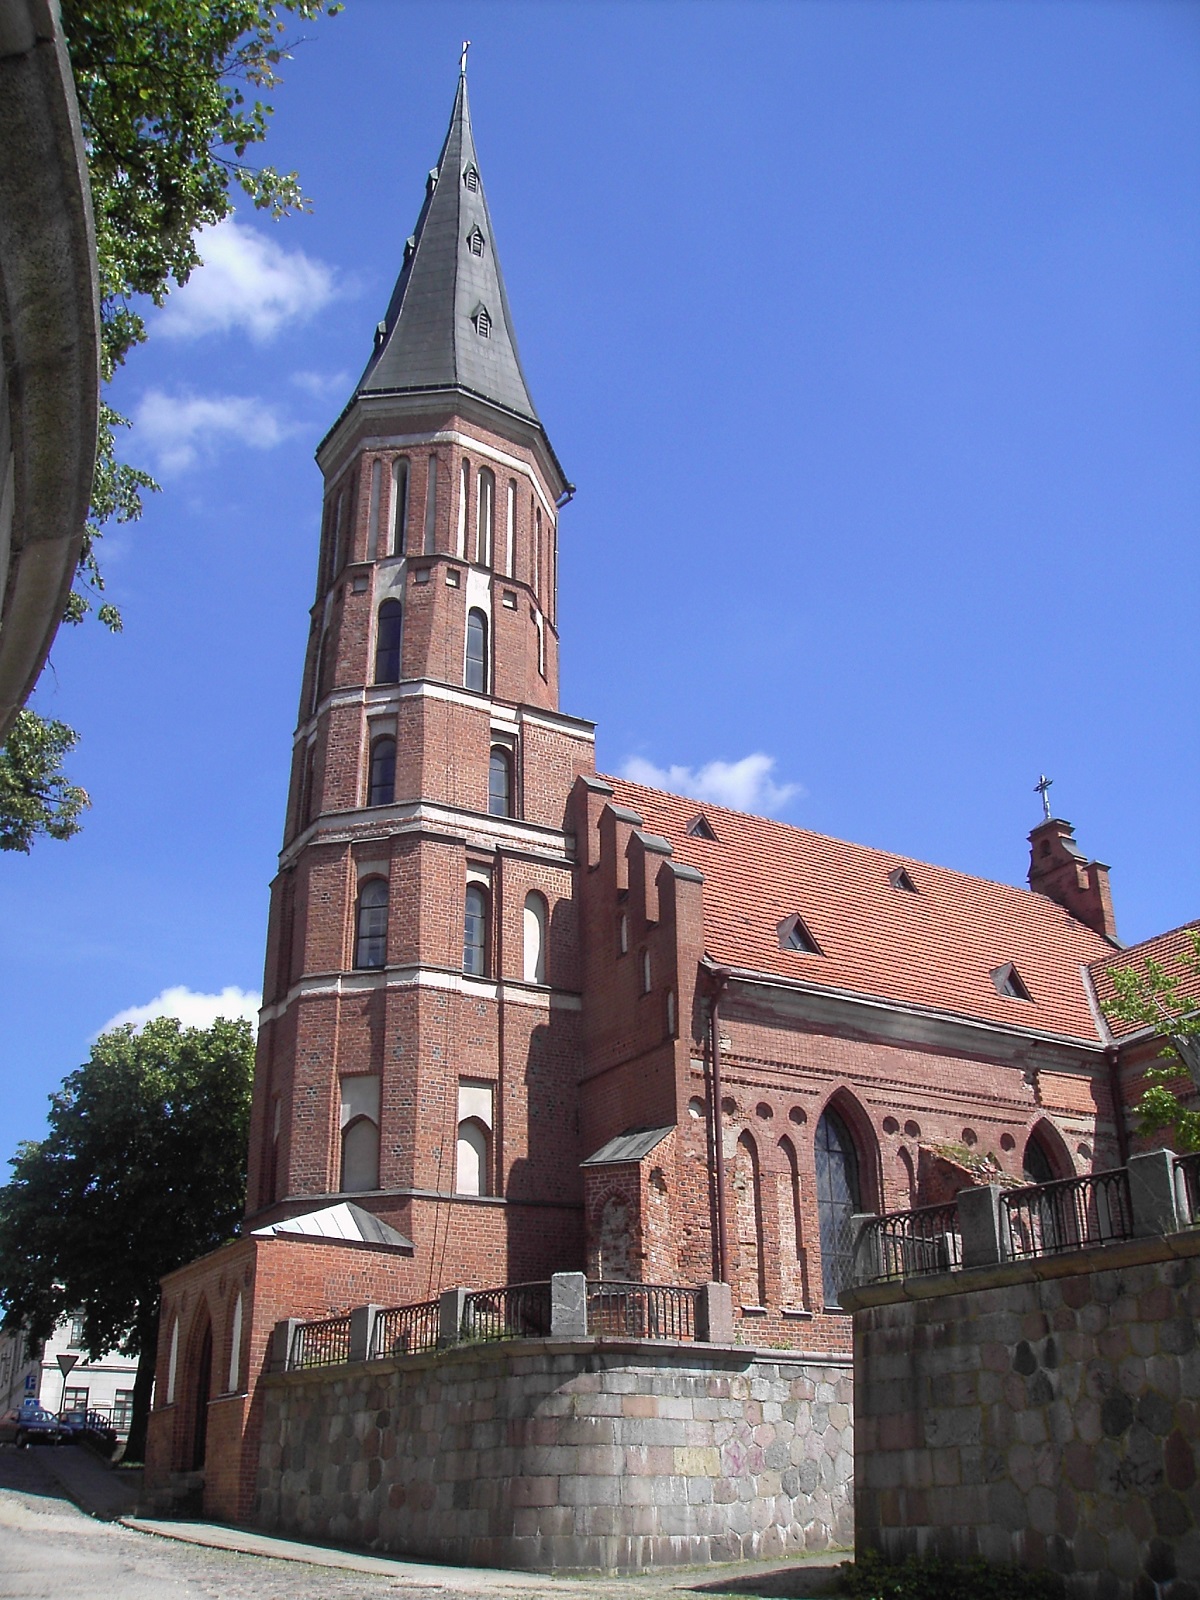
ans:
(50, 1550)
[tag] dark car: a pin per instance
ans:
(90, 1426)
(31, 1425)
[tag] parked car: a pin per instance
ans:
(90, 1426)
(30, 1424)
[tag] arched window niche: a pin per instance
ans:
(473, 1155)
(535, 919)
(370, 924)
(399, 511)
(388, 639)
(360, 1155)
(381, 779)
(840, 1193)
(485, 536)
(235, 1347)
(475, 676)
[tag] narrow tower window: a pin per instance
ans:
(475, 932)
(387, 642)
(500, 784)
(535, 937)
(399, 506)
(370, 933)
(464, 495)
(381, 789)
(373, 507)
(431, 507)
(476, 677)
(485, 533)
(510, 534)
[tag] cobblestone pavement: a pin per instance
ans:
(50, 1550)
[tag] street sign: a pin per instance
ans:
(66, 1363)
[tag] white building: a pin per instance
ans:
(105, 1385)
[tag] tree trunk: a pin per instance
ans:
(143, 1386)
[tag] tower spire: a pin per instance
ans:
(448, 325)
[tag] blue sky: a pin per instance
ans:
(869, 336)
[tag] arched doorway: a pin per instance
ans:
(203, 1390)
(839, 1196)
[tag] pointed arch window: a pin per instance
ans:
(500, 784)
(839, 1196)
(399, 506)
(388, 638)
(373, 506)
(235, 1346)
(510, 529)
(431, 507)
(535, 937)
(476, 676)
(370, 924)
(381, 786)
(360, 1155)
(475, 932)
(485, 517)
(464, 496)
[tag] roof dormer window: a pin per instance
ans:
(794, 935)
(471, 180)
(482, 318)
(475, 242)
(899, 879)
(700, 827)
(1009, 982)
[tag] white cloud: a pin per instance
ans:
(179, 428)
(247, 282)
(193, 1009)
(321, 384)
(744, 785)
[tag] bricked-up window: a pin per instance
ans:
(534, 928)
(500, 783)
(464, 496)
(475, 932)
(486, 518)
(370, 924)
(399, 506)
(476, 676)
(308, 785)
(235, 1347)
(646, 973)
(839, 1196)
(381, 790)
(388, 638)
(473, 1158)
(373, 507)
(431, 507)
(318, 674)
(510, 531)
(173, 1363)
(622, 933)
(360, 1156)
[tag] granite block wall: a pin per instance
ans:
(578, 1455)
(1045, 1413)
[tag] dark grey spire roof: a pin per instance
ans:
(449, 286)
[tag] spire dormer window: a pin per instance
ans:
(475, 242)
(471, 180)
(482, 318)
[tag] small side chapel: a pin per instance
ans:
(521, 1018)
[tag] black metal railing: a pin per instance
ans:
(517, 1311)
(1187, 1187)
(906, 1243)
(406, 1330)
(321, 1344)
(1066, 1215)
(640, 1311)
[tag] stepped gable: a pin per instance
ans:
(934, 949)
(1166, 949)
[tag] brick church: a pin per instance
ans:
(521, 1018)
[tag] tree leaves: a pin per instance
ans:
(1152, 996)
(35, 797)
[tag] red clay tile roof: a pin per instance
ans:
(933, 949)
(1166, 949)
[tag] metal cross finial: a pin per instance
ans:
(1042, 787)
(462, 60)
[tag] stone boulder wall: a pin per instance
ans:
(1045, 1413)
(548, 1454)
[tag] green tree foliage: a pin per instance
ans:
(35, 798)
(1152, 996)
(168, 100)
(144, 1169)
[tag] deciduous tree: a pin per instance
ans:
(144, 1168)
(1154, 996)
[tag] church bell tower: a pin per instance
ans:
(419, 1045)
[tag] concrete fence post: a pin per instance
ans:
(714, 1314)
(282, 1336)
(1153, 1193)
(362, 1331)
(979, 1222)
(866, 1265)
(568, 1306)
(451, 1305)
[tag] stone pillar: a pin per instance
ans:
(1152, 1193)
(980, 1224)
(281, 1342)
(867, 1266)
(568, 1306)
(452, 1303)
(362, 1331)
(714, 1314)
